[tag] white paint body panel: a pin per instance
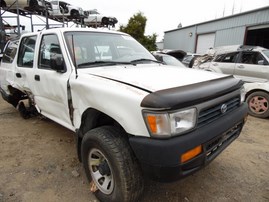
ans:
(256, 86)
(122, 102)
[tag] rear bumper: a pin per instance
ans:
(160, 159)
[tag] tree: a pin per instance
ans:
(136, 28)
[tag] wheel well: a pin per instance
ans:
(104, 20)
(255, 90)
(91, 119)
(15, 96)
(73, 11)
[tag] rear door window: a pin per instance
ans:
(26, 52)
(230, 58)
(253, 58)
(10, 51)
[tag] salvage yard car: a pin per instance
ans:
(95, 19)
(248, 63)
(63, 9)
(189, 59)
(131, 116)
(53, 8)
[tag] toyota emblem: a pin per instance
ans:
(223, 108)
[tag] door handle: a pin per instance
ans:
(37, 77)
(18, 75)
(215, 64)
(241, 66)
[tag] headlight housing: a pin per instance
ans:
(167, 124)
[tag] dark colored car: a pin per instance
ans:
(178, 54)
(167, 59)
(188, 60)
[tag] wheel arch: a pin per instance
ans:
(255, 90)
(93, 118)
(105, 20)
(13, 96)
(73, 12)
(90, 119)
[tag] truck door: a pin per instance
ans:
(250, 69)
(49, 86)
(25, 63)
(225, 63)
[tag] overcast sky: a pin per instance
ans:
(167, 14)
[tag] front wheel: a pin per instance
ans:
(110, 165)
(258, 104)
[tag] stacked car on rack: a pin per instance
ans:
(61, 9)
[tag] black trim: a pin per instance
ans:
(160, 159)
(179, 97)
(70, 102)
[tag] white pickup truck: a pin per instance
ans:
(132, 116)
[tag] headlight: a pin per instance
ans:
(167, 124)
(242, 95)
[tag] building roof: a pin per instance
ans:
(219, 19)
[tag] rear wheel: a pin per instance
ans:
(110, 165)
(74, 14)
(258, 104)
(105, 21)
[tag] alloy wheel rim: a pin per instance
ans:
(101, 171)
(258, 104)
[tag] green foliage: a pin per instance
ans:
(136, 28)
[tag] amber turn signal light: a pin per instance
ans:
(191, 154)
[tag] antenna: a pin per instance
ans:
(233, 9)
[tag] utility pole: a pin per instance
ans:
(18, 18)
(2, 33)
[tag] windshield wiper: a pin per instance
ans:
(103, 63)
(144, 60)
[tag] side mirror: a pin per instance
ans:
(261, 62)
(57, 63)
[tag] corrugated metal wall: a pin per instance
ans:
(180, 39)
(232, 36)
(229, 30)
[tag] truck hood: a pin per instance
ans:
(151, 77)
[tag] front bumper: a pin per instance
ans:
(160, 158)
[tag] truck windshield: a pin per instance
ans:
(92, 49)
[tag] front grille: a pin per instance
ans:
(218, 144)
(214, 112)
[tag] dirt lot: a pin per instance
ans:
(38, 163)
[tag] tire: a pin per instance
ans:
(105, 21)
(110, 163)
(74, 14)
(258, 104)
